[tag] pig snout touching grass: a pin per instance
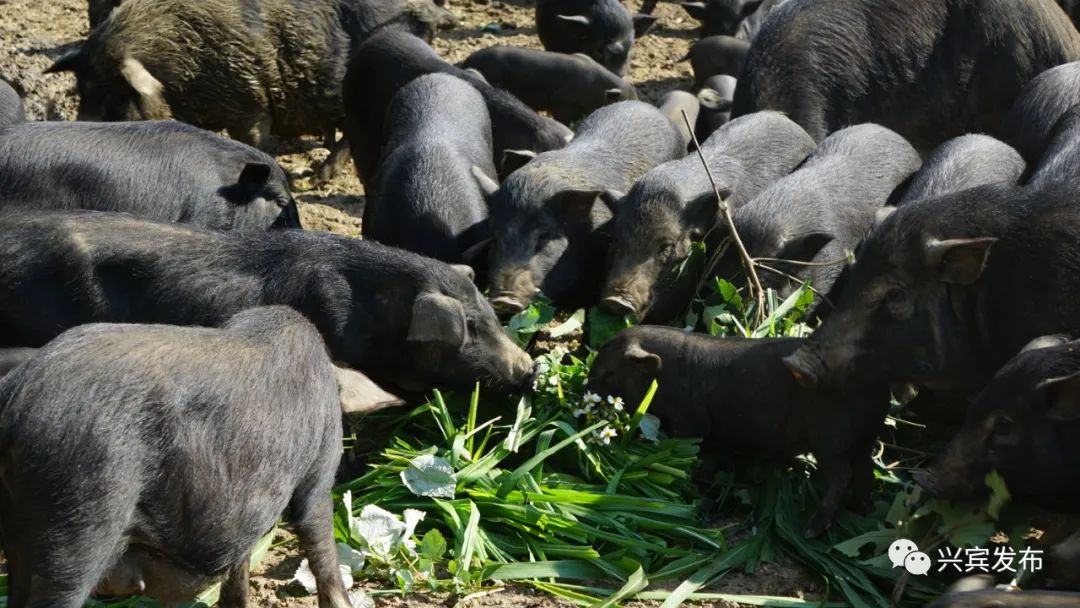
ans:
(1025, 425)
(737, 397)
(674, 205)
(549, 217)
(944, 291)
(404, 319)
(151, 458)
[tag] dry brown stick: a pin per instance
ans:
(725, 209)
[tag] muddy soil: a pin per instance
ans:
(34, 33)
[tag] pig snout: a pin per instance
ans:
(619, 304)
(518, 370)
(513, 291)
(626, 298)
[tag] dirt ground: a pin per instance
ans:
(34, 33)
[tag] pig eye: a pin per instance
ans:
(667, 250)
(897, 303)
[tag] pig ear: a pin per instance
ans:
(475, 253)
(577, 205)
(359, 395)
(696, 10)
(1050, 341)
(611, 199)
(578, 23)
(959, 261)
(1063, 397)
(883, 214)
(804, 247)
(438, 318)
(711, 99)
(466, 270)
(255, 175)
(151, 104)
(513, 160)
(639, 356)
(487, 185)
(68, 62)
(643, 23)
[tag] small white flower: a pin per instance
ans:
(587, 408)
(585, 382)
(578, 413)
(553, 380)
(616, 402)
(592, 397)
(608, 434)
(543, 369)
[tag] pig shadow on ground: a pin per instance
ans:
(652, 90)
(461, 34)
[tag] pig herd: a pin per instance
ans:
(170, 335)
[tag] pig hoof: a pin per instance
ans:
(617, 305)
(507, 306)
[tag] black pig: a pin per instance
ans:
(390, 60)
(819, 213)
(717, 55)
(964, 162)
(428, 201)
(162, 170)
(404, 318)
(601, 29)
(735, 394)
(547, 216)
(150, 458)
(716, 98)
(674, 205)
(944, 291)
(904, 64)
(252, 68)
(1030, 123)
(568, 86)
(1058, 163)
(1026, 425)
(674, 105)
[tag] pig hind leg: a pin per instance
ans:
(311, 512)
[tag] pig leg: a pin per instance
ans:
(312, 513)
(837, 475)
(648, 7)
(335, 163)
(234, 591)
(862, 482)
